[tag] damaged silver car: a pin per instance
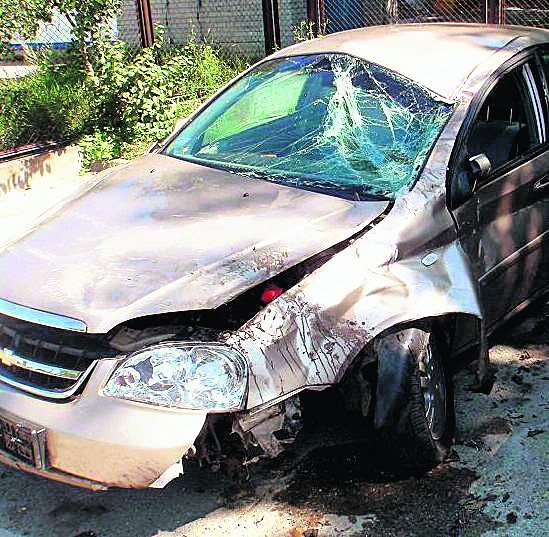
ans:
(353, 211)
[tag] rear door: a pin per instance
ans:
(503, 221)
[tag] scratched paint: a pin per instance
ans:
(178, 236)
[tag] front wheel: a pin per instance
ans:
(419, 428)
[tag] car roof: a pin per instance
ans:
(439, 56)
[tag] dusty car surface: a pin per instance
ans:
(353, 211)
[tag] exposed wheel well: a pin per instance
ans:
(457, 333)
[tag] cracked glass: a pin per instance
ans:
(328, 122)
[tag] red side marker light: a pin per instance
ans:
(271, 292)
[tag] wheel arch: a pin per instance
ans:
(392, 348)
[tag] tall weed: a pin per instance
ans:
(51, 104)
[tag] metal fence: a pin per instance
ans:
(346, 14)
(20, 55)
(329, 16)
(526, 12)
(254, 27)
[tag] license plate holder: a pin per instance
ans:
(22, 440)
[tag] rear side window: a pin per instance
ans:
(534, 85)
(544, 80)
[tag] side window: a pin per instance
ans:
(544, 77)
(512, 120)
(507, 126)
(534, 84)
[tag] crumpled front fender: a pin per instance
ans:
(409, 266)
(309, 336)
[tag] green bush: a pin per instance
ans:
(132, 100)
(144, 94)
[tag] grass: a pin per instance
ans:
(50, 104)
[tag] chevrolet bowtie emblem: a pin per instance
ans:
(6, 357)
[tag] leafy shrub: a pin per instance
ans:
(140, 95)
(132, 99)
(99, 146)
(144, 94)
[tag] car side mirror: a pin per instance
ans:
(479, 167)
(467, 177)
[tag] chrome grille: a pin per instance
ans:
(45, 361)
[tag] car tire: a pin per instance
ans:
(422, 432)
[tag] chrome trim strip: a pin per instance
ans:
(515, 257)
(51, 394)
(9, 358)
(32, 315)
(542, 183)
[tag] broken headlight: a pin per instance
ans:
(198, 376)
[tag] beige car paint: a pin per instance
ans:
(408, 266)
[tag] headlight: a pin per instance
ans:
(199, 376)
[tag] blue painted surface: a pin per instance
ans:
(40, 45)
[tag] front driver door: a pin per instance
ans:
(503, 224)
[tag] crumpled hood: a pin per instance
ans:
(163, 235)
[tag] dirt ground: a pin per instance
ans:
(335, 482)
(328, 486)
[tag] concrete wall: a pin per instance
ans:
(292, 12)
(234, 24)
(128, 25)
(22, 173)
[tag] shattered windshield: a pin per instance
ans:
(326, 122)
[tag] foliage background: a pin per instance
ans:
(132, 100)
(111, 99)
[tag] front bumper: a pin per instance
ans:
(97, 442)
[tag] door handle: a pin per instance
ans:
(542, 183)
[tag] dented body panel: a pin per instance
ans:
(163, 235)
(310, 334)
(166, 236)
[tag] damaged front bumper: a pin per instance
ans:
(94, 441)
